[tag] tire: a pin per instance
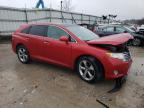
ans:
(136, 42)
(23, 54)
(129, 43)
(89, 69)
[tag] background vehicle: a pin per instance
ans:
(74, 47)
(117, 29)
(91, 27)
(141, 30)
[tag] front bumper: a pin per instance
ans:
(122, 67)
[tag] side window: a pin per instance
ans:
(110, 29)
(26, 30)
(104, 29)
(120, 29)
(55, 32)
(39, 30)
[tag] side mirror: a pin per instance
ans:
(64, 39)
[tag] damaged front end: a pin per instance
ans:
(116, 45)
(118, 50)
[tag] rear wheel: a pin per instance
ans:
(23, 54)
(89, 69)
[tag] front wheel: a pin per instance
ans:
(89, 69)
(136, 42)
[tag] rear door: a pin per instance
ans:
(36, 36)
(56, 50)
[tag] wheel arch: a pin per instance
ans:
(19, 44)
(88, 55)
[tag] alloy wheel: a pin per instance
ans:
(22, 54)
(86, 70)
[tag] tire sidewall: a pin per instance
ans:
(134, 40)
(98, 71)
(28, 60)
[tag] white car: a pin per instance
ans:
(141, 28)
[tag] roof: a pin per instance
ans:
(111, 26)
(60, 24)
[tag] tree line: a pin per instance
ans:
(135, 21)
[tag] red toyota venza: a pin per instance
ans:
(74, 47)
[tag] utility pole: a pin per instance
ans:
(26, 17)
(61, 10)
(109, 18)
(61, 5)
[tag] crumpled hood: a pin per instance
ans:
(113, 39)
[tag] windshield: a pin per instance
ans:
(130, 30)
(82, 33)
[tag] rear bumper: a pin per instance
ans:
(117, 65)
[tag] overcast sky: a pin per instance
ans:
(125, 9)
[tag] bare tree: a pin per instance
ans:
(67, 5)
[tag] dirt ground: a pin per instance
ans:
(42, 85)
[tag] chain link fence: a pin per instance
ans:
(12, 18)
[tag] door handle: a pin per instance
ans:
(27, 38)
(46, 42)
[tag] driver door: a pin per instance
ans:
(57, 51)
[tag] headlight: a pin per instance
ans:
(120, 56)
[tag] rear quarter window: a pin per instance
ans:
(25, 30)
